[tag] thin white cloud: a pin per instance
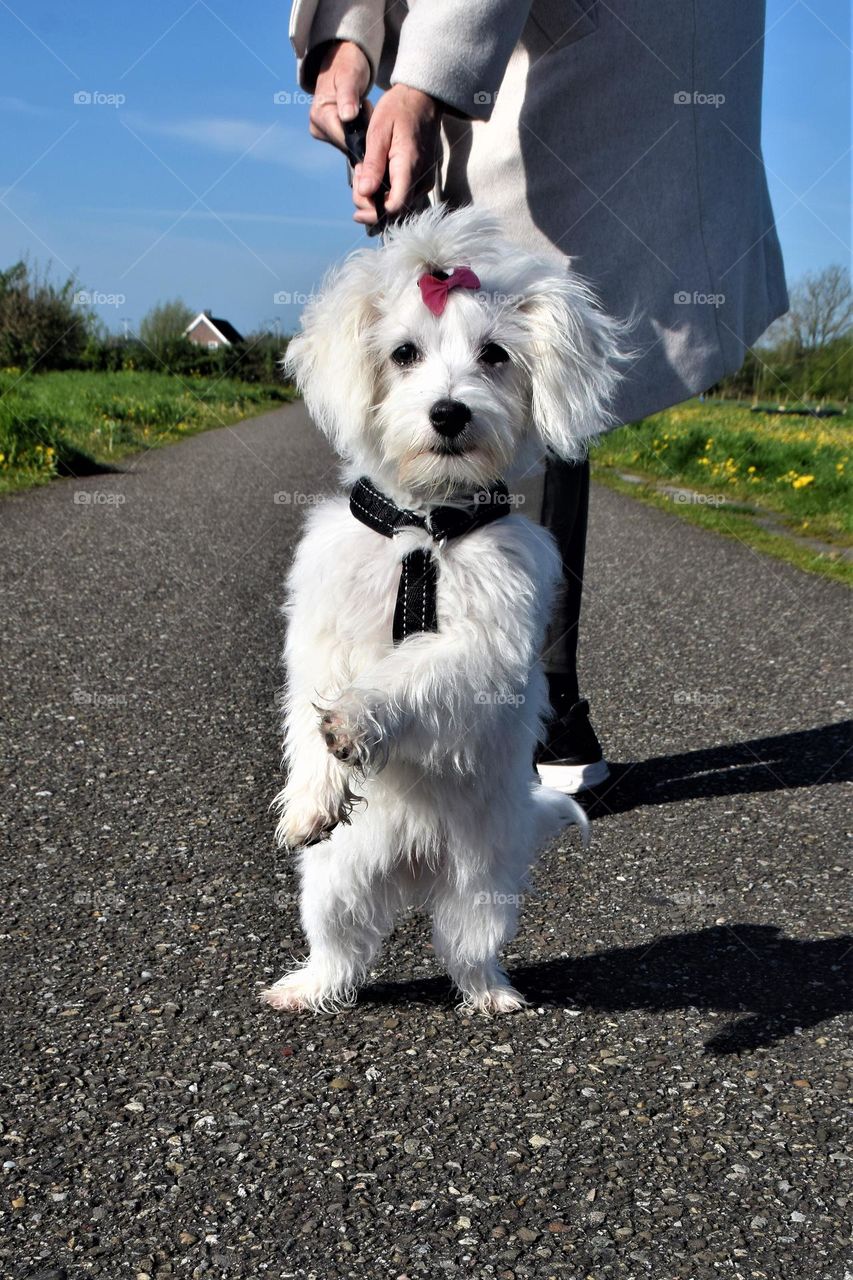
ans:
(287, 145)
(21, 107)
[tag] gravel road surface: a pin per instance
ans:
(673, 1102)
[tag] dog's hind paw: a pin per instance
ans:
(301, 991)
(286, 996)
(503, 999)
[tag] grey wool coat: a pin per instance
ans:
(621, 134)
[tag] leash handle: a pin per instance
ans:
(355, 140)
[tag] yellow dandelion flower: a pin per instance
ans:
(802, 481)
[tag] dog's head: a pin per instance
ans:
(435, 391)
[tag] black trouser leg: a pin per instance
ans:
(565, 507)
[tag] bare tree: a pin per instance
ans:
(821, 309)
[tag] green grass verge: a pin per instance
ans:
(792, 470)
(796, 468)
(71, 421)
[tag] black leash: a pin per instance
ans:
(355, 139)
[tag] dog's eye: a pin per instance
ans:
(493, 354)
(405, 355)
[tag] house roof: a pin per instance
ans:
(224, 328)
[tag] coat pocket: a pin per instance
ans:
(555, 24)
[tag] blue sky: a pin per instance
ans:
(200, 185)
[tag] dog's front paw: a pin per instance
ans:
(352, 731)
(305, 820)
(300, 827)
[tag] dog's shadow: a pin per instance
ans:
(772, 984)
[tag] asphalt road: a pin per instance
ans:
(672, 1105)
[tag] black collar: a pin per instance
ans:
(382, 514)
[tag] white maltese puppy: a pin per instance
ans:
(440, 367)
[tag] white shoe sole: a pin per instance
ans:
(572, 778)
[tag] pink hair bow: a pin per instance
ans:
(434, 289)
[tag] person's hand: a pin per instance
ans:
(342, 82)
(402, 137)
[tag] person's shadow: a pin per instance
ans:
(808, 758)
(771, 984)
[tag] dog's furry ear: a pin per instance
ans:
(574, 367)
(330, 360)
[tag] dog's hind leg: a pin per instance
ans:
(474, 916)
(347, 905)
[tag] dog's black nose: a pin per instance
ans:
(449, 417)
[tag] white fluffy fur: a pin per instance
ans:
(436, 805)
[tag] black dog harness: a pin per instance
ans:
(416, 608)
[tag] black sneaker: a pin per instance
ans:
(571, 759)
